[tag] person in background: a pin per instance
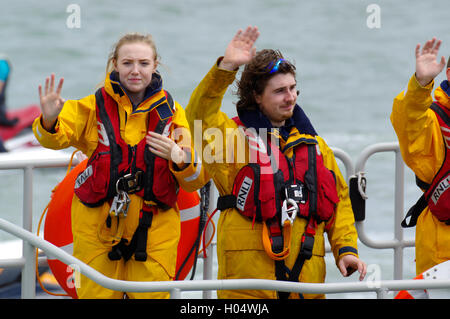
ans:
(279, 199)
(125, 219)
(422, 127)
(5, 70)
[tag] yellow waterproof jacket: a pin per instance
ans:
(240, 248)
(423, 150)
(77, 127)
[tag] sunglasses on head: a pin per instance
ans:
(274, 67)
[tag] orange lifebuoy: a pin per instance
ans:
(413, 294)
(189, 206)
(58, 228)
(439, 271)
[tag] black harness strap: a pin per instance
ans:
(141, 234)
(414, 212)
(226, 201)
(138, 243)
(282, 272)
(148, 178)
(114, 149)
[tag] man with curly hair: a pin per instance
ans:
(276, 204)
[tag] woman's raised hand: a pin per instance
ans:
(241, 49)
(51, 101)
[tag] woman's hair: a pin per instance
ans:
(126, 39)
(257, 73)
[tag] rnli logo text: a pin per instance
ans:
(243, 193)
(83, 176)
(440, 188)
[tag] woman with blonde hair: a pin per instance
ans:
(125, 220)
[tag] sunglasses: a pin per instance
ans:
(274, 67)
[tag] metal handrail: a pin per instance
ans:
(30, 241)
(398, 243)
(175, 287)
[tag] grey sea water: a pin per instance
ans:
(353, 57)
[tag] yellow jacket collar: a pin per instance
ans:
(155, 98)
(442, 94)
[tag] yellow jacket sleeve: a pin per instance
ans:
(418, 131)
(194, 175)
(211, 128)
(75, 126)
(341, 230)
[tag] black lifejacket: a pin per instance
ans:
(115, 165)
(436, 194)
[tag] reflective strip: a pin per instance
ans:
(166, 131)
(445, 129)
(197, 171)
(447, 140)
(38, 131)
(189, 213)
(419, 294)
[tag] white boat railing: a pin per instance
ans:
(208, 284)
(398, 243)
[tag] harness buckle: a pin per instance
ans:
(130, 183)
(289, 214)
(120, 204)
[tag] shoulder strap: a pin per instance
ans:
(311, 181)
(114, 149)
(414, 213)
(423, 185)
(441, 112)
(149, 158)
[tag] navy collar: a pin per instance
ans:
(257, 120)
(445, 87)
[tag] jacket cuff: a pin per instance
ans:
(190, 172)
(347, 250)
(41, 132)
(413, 83)
(225, 77)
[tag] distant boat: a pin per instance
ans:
(20, 135)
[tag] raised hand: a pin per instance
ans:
(240, 50)
(51, 101)
(427, 66)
